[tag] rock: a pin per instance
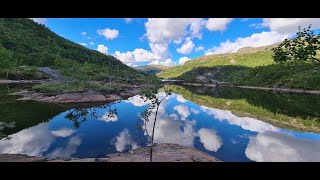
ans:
(113, 97)
(20, 158)
(161, 153)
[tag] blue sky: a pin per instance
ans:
(173, 41)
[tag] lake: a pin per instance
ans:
(223, 122)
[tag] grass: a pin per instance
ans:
(22, 73)
(254, 67)
(282, 110)
(77, 86)
(237, 59)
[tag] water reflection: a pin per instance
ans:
(67, 151)
(275, 146)
(124, 141)
(32, 141)
(183, 118)
(210, 140)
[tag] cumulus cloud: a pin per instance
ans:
(123, 140)
(108, 117)
(128, 20)
(182, 110)
(91, 43)
(182, 60)
(161, 30)
(246, 123)
(40, 21)
(218, 24)
(255, 40)
(160, 50)
(83, 44)
(108, 33)
(210, 140)
(66, 152)
(83, 33)
(275, 146)
(138, 55)
(199, 48)
(187, 47)
(289, 25)
(63, 132)
(167, 62)
(102, 48)
(196, 25)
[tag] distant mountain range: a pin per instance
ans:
(151, 69)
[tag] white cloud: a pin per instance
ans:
(199, 48)
(218, 24)
(210, 140)
(160, 50)
(196, 26)
(138, 55)
(128, 20)
(108, 33)
(91, 43)
(102, 48)
(83, 44)
(182, 110)
(187, 47)
(32, 141)
(161, 30)
(195, 111)
(66, 152)
(276, 146)
(182, 60)
(289, 25)
(63, 132)
(108, 117)
(167, 62)
(137, 101)
(123, 140)
(246, 123)
(181, 99)
(125, 57)
(83, 33)
(255, 40)
(40, 21)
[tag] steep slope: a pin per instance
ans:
(26, 43)
(151, 69)
(248, 66)
(248, 57)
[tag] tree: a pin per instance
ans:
(150, 95)
(301, 48)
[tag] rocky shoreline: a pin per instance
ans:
(164, 152)
(286, 90)
(73, 98)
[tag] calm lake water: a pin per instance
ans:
(194, 117)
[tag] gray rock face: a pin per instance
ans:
(53, 73)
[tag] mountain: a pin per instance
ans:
(248, 66)
(151, 69)
(247, 56)
(26, 43)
